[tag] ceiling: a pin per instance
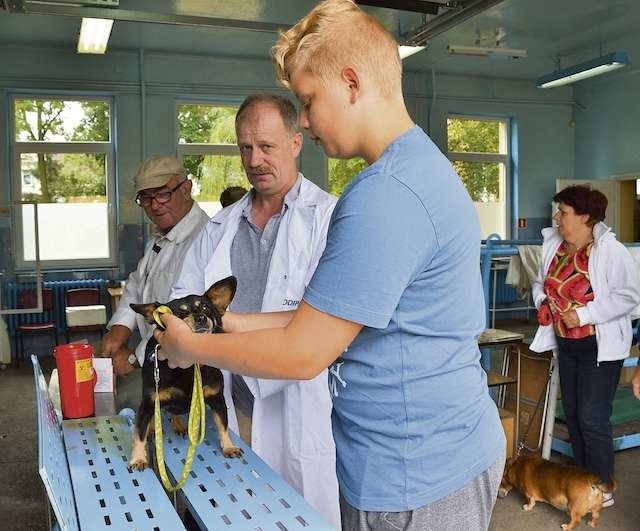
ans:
(580, 30)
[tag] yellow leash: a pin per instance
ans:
(197, 420)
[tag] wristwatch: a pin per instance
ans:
(133, 360)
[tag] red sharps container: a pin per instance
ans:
(77, 379)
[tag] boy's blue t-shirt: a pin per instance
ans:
(412, 419)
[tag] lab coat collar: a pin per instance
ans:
(289, 199)
(601, 232)
(301, 194)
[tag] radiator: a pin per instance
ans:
(505, 294)
(59, 288)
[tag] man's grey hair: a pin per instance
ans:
(287, 110)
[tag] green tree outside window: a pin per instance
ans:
(211, 125)
(68, 176)
(341, 172)
(482, 179)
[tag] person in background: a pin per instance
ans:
(231, 194)
(586, 291)
(163, 191)
(394, 307)
(271, 241)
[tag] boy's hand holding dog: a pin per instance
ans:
(175, 335)
(176, 338)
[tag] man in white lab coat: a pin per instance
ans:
(271, 240)
(164, 192)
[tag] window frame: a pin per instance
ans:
(18, 148)
(183, 150)
(490, 158)
(206, 149)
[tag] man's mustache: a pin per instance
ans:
(260, 170)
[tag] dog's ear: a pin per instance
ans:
(222, 292)
(146, 310)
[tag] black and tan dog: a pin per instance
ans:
(203, 314)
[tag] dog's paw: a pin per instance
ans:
(138, 464)
(528, 506)
(178, 426)
(181, 431)
(232, 451)
(139, 459)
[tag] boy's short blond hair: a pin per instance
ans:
(334, 34)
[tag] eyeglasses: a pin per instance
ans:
(163, 197)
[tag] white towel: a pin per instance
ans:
(523, 269)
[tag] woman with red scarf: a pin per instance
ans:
(586, 291)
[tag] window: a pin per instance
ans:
(63, 168)
(208, 149)
(341, 172)
(479, 151)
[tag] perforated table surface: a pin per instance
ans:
(237, 494)
(108, 495)
(98, 492)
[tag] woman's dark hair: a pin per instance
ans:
(584, 200)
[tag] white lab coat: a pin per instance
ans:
(153, 284)
(291, 423)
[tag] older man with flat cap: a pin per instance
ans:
(164, 192)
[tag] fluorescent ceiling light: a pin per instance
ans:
(595, 67)
(406, 51)
(486, 51)
(94, 35)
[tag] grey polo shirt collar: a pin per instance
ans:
(289, 199)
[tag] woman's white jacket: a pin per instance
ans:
(616, 287)
(291, 422)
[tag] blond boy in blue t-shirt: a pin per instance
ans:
(395, 305)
